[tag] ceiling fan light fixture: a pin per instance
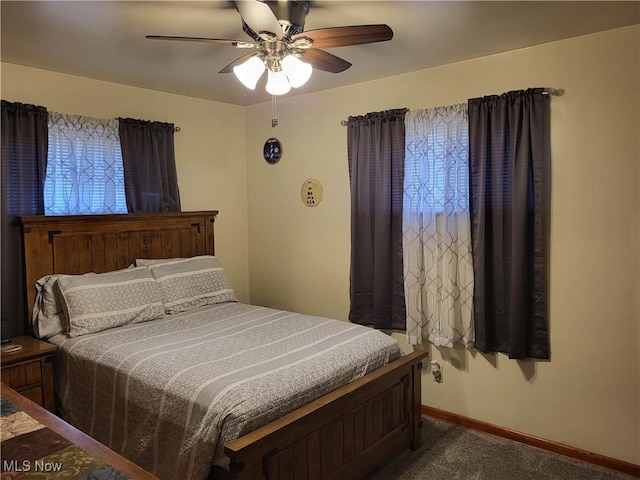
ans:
(297, 71)
(277, 83)
(250, 72)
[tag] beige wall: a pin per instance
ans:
(209, 148)
(588, 395)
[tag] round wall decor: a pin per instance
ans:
(311, 192)
(272, 151)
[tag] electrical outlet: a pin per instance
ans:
(436, 369)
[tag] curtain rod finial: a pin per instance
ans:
(558, 92)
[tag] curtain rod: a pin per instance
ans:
(554, 92)
(175, 127)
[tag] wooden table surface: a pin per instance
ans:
(74, 435)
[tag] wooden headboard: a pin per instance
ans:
(100, 243)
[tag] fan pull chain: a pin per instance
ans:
(274, 117)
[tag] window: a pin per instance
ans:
(437, 161)
(85, 172)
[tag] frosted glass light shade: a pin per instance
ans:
(249, 72)
(277, 83)
(298, 72)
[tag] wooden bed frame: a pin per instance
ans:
(346, 434)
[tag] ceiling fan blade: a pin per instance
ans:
(325, 61)
(259, 17)
(346, 36)
(197, 39)
(237, 61)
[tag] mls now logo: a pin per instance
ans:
(28, 466)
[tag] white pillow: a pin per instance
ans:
(48, 317)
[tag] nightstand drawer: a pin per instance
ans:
(23, 374)
(34, 394)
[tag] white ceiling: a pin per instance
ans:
(106, 39)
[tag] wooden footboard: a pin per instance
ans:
(344, 435)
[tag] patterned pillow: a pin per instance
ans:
(191, 283)
(95, 302)
(147, 262)
(48, 313)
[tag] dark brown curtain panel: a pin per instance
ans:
(24, 166)
(509, 164)
(376, 170)
(148, 156)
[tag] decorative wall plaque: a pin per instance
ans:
(272, 151)
(311, 192)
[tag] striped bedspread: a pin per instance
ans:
(169, 393)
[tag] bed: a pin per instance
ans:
(348, 424)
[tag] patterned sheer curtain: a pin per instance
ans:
(438, 267)
(84, 168)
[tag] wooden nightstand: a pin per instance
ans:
(30, 370)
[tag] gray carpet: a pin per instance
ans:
(451, 452)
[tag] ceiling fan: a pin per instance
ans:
(280, 45)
